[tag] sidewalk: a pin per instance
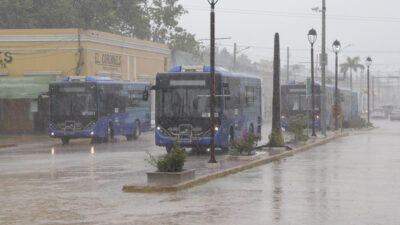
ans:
(14, 140)
(228, 165)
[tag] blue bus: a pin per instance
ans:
(98, 108)
(183, 110)
(296, 102)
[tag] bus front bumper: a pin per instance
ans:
(162, 140)
(72, 133)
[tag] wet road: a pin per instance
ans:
(353, 180)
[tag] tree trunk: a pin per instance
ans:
(276, 106)
(351, 79)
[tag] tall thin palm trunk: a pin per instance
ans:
(276, 138)
(276, 106)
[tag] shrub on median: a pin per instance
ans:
(247, 144)
(297, 125)
(172, 162)
(356, 123)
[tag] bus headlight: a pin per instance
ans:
(163, 131)
(92, 133)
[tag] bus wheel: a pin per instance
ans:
(135, 133)
(168, 148)
(136, 130)
(65, 140)
(231, 138)
(110, 134)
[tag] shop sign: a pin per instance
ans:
(5, 58)
(107, 59)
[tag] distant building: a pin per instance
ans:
(31, 58)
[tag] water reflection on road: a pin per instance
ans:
(353, 180)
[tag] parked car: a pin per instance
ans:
(395, 115)
(378, 114)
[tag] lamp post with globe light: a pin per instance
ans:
(336, 48)
(312, 37)
(368, 62)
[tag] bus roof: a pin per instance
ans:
(96, 79)
(221, 70)
(316, 83)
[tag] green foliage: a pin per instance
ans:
(356, 123)
(155, 20)
(276, 139)
(172, 162)
(247, 144)
(297, 125)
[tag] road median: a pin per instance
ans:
(227, 171)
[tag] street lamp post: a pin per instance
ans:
(368, 62)
(336, 48)
(312, 37)
(323, 67)
(212, 75)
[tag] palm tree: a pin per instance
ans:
(276, 138)
(351, 64)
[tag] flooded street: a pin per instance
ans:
(352, 180)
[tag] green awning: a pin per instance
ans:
(24, 87)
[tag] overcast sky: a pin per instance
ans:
(364, 28)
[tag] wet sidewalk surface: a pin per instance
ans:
(9, 140)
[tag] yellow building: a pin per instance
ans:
(31, 58)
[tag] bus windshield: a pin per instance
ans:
(186, 102)
(73, 101)
(297, 102)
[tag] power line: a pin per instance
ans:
(297, 15)
(306, 50)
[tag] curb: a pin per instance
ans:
(7, 146)
(206, 178)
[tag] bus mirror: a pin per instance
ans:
(145, 96)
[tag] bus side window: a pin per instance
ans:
(250, 95)
(122, 102)
(103, 103)
(232, 103)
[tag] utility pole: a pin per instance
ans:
(212, 80)
(373, 93)
(360, 97)
(323, 62)
(287, 65)
(235, 52)
(316, 67)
